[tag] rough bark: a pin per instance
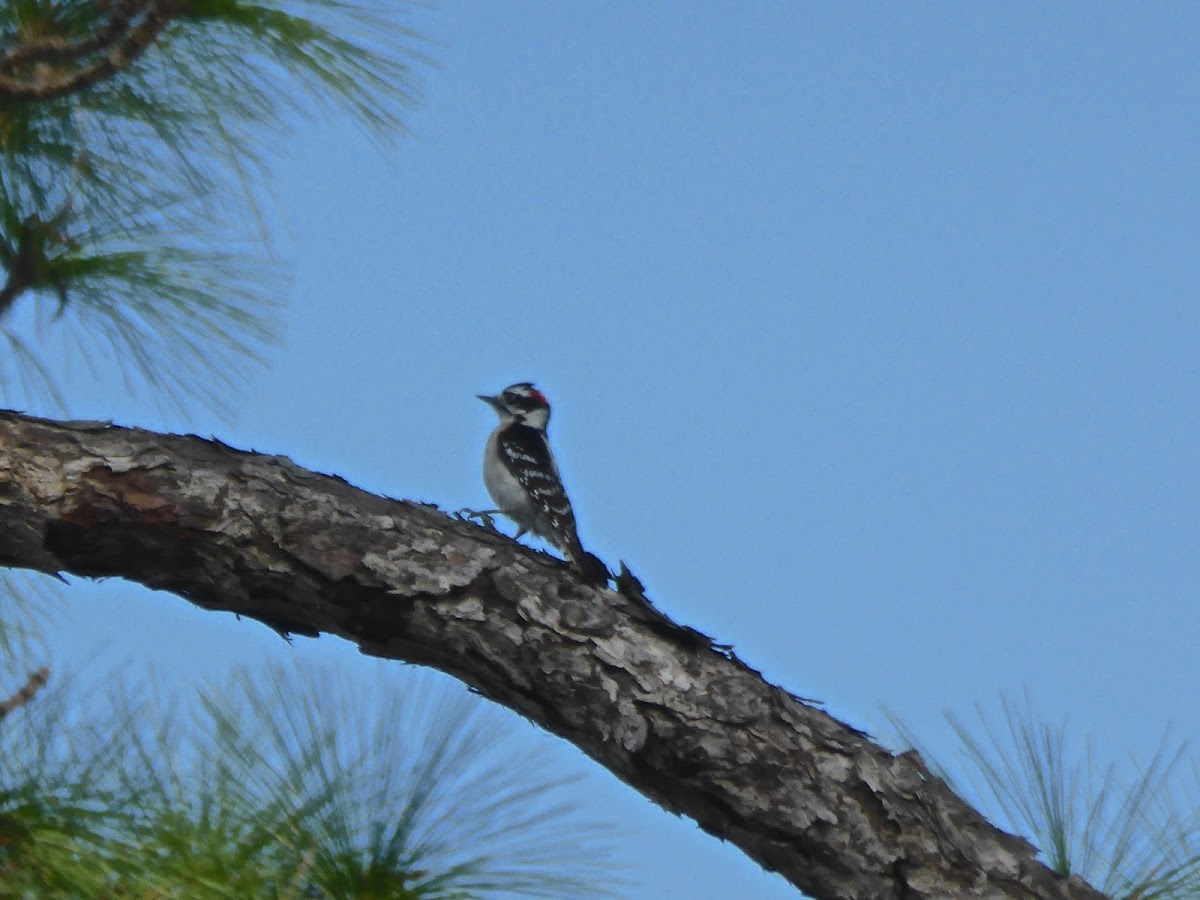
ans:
(691, 727)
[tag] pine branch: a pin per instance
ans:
(26, 73)
(22, 273)
(691, 727)
(27, 692)
(51, 48)
(27, 263)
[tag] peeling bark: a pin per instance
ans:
(691, 727)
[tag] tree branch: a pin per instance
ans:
(34, 683)
(22, 265)
(18, 281)
(51, 48)
(26, 73)
(692, 728)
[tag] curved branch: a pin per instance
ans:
(121, 40)
(692, 728)
(51, 48)
(34, 683)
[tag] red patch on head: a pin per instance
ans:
(538, 396)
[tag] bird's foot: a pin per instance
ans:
(481, 516)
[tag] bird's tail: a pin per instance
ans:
(589, 565)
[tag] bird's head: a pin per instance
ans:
(520, 402)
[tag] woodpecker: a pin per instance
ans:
(522, 477)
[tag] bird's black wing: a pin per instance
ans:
(525, 450)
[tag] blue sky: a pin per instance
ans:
(871, 331)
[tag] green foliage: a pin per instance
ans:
(130, 208)
(27, 604)
(1132, 831)
(60, 805)
(284, 785)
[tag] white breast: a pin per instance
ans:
(506, 492)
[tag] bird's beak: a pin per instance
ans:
(493, 402)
